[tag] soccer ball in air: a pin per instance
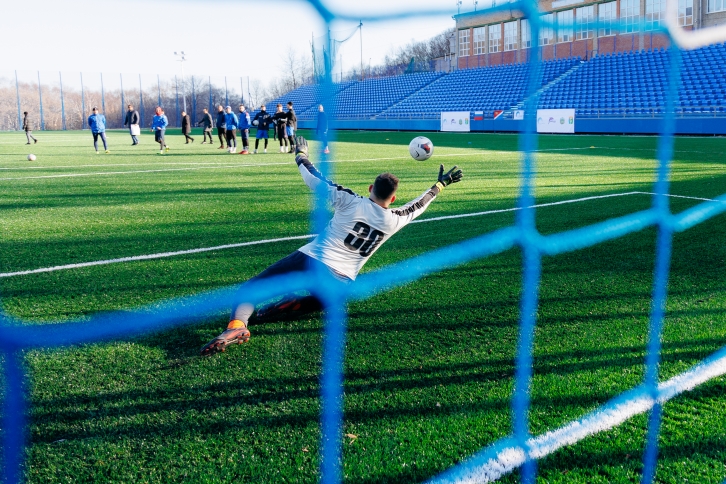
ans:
(421, 148)
(31, 157)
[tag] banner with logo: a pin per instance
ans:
(455, 121)
(518, 114)
(555, 120)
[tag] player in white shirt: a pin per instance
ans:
(358, 228)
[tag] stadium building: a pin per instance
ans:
(504, 37)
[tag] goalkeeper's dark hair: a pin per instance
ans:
(385, 185)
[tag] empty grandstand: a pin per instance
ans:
(635, 84)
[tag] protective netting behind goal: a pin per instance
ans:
(520, 448)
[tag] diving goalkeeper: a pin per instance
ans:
(358, 228)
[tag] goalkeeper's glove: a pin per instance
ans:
(452, 176)
(301, 146)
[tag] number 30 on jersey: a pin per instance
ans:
(363, 239)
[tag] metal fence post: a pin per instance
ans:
(178, 117)
(141, 103)
(17, 95)
(103, 96)
(40, 96)
(121, 77)
(83, 105)
(63, 104)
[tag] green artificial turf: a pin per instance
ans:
(429, 366)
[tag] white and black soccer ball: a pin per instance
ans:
(256, 122)
(31, 157)
(421, 148)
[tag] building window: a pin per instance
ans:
(480, 41)
(526, 33)
(510, 36)
(495, 37)
(685, 12)
(630, 14)
(547, 31)
(564, 26)
(584, 23)
(716, 6)
(463, 43)
(654, 13)
(606, 14)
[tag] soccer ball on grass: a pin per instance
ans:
(421, 148)
(31, 157)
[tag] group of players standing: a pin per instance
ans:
(284, 125)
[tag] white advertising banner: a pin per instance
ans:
(555, 120)
(518, 114)
(455, 121)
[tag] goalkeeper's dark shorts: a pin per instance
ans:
(297, 262)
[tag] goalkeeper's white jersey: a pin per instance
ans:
(359, 226)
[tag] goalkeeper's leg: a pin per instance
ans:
(237, 331)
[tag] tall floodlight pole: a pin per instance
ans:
(158, 88)
(226, 92)
(17, 97)
(63, 104)
(360, 26)
(181, 58)
(458, 6)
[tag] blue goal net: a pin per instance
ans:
(521, 448)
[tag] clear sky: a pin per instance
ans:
(232, 37)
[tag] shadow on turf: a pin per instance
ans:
(252, 391)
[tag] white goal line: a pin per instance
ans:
(162, 255)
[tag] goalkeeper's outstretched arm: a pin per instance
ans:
(312, 177)
(417, 206)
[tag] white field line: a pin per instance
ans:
(108, 165)
(159, 255)
(514, 209)
(162, 255)
(160, 170)
(604, 418)
(219, 165)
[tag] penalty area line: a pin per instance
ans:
(163, 255)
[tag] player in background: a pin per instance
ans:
(206, 123)
(244, 129)
(221, 127)
(97, 124)
(28, 128)
(322, 128)
(231, 123)
(186, 126)
(158, 126)
(358, 228)
(132, 120)
(280, 120)
(262, 120)
(291, 126)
